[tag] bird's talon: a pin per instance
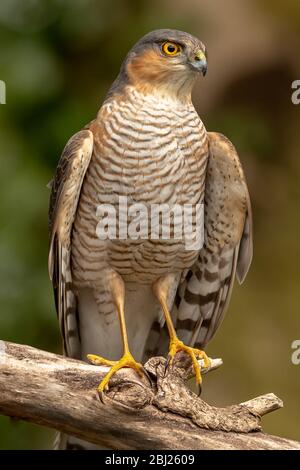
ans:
(168, 363)
(101, 396)
(126, 360)
(147, 375)
(176, 345)
(207, 361)
(98, 360)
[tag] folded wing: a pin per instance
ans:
(65, 193)
(203, 298)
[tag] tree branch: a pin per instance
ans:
(162, 413)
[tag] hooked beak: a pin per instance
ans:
(199, 62)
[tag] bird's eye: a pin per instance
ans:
(171, 48)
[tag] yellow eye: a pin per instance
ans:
(170, 48)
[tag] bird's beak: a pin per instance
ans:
(199, 62)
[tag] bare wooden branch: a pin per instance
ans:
(61, 393)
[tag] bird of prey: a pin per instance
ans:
(120, 300)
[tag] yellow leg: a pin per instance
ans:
(127, 360)
(161, 290)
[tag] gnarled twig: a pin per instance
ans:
(60, 393)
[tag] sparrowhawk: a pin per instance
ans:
(147, 144)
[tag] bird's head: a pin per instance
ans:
(165, 61)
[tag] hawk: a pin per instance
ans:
(129, 298)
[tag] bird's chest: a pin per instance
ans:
(147, 155)
(150, 152)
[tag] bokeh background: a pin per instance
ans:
(58, 58)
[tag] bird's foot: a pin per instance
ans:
(126, 360)
(176, 346)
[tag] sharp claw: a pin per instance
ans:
(147, 375)
(199, 389)
(168, 362)
(177, 345)
(101, 396)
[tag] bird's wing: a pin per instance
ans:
(203, 297)
(65, 192)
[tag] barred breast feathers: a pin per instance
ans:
(151, 151)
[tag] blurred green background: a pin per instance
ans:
(58, 58)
